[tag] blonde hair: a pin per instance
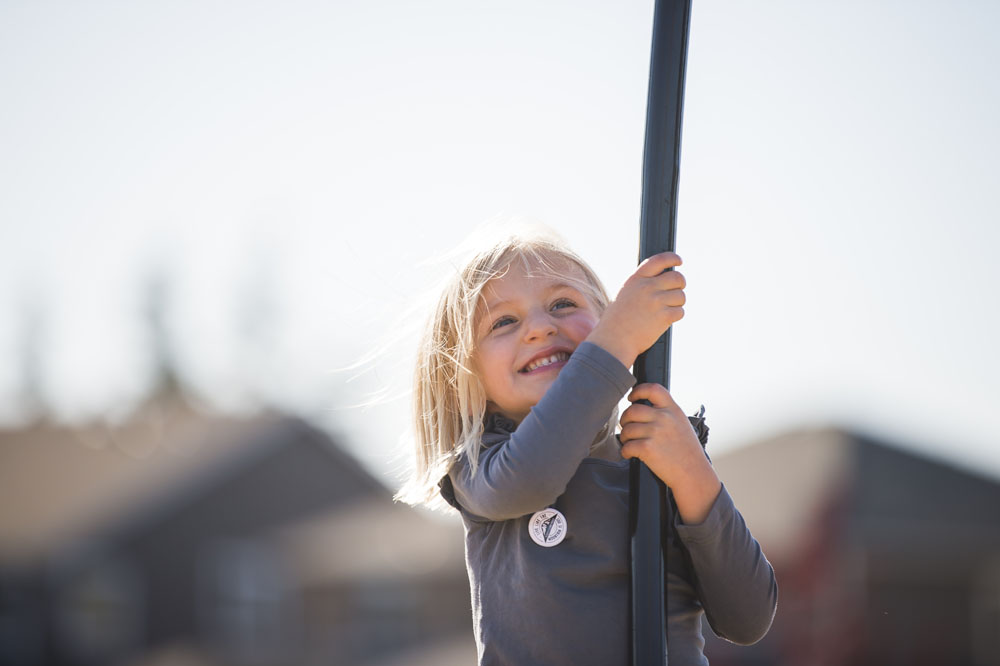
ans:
(449, 401)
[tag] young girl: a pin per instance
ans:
(517, 383)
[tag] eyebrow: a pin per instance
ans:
(495, 305)
(488, 307)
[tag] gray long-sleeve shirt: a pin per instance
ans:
(568, 603)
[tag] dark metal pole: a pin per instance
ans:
(650, 503)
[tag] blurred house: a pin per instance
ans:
(882, 556)
(180, 537)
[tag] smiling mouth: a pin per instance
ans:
(546, 360)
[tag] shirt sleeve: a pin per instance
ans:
(528, 471)
(733, 579)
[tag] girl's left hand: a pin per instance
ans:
(660, 435)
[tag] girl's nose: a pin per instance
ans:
(539, 325)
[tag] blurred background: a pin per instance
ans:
(220, 225)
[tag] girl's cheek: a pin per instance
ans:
(586, 323)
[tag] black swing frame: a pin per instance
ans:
(650, 502)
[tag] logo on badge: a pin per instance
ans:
(547, 527)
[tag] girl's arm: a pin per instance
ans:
(732, 578)
(531, 469)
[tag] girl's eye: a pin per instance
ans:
(502, 321)
(563, 303)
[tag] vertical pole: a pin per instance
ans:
(650, 503)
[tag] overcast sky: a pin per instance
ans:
(294, 169)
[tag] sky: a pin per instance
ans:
(298, 172)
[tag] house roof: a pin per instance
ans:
(58, 483)
(780, 484)
(786, 485)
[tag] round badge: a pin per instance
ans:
(547, 528)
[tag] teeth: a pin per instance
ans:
(548, 360)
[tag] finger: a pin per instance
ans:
(670, 280)
(672, 315)
(636, 448)
(633, 431)
(638, 417)
(638, 413)
(673, 298)
(658, 263)
(642, 391)
(656, 394)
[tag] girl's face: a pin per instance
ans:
(527, 325)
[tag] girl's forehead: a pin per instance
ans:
(547, 265)
(533, 273)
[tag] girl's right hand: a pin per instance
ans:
(648, 303)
